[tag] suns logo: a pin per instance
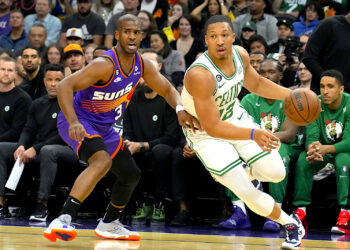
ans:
(99, 96)
(270, 122)
(334, 130)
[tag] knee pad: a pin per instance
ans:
(269, 168)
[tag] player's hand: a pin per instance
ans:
(188, 152)
(77, 131)
(28, 155)
(265, 139)
(313, 153)
(185, 120)
(19, 151)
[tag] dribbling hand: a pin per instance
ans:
(77, 131)
(185, 120)
(265, 139)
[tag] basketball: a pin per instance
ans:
(302, 106)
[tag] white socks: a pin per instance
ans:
(241, 205)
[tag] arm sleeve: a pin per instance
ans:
(343, 145)
(19, 120)
(29, 132)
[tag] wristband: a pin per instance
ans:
(179, 108)
(252, 134)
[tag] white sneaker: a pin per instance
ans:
(294, 234)
(115, 230)
(324, 172)
(60, 228)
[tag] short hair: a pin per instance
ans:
(100, 47)
(258, 53)
(38, 25)
(335, 74)
(218, 19)
(8, 59)
(30, 47)
(8, 52)
(279, 66)
(127, 17)
(53, 67)
(17, 11)
(150, 50)
(260, 39)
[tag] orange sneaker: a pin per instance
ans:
(60, 228)
(302, 217)
(342, 226)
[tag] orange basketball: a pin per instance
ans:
(302, 106)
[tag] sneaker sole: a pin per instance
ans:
(33, 218)
(338, 230)
(65, 235)
(121, 237)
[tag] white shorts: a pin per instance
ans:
(220, 156)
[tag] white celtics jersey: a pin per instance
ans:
(227, 87)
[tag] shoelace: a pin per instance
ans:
(292, 232)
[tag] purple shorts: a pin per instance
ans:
(111, 138)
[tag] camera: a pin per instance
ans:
(292, 45)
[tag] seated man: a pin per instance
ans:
(268, 114)
(39, 143)
(14, 102)
(327, 141)
(150, 129)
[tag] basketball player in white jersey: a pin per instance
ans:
(211, 86)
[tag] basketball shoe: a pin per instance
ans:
(294, 234)
(342, 226)
(115, 230)
(302, 216)
(238, 220)
(40, 213)
(60, 228)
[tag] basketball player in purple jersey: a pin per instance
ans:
(103, 91)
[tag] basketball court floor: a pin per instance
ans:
(20, 234)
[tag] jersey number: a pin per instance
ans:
(118, 111)
(227, 112)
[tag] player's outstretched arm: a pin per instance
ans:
(201, 85)
(260, 85)
(163, 87)
(98, 70)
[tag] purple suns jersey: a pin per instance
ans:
(106, 103)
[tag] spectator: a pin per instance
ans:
(14, 103)
(186, 44)
(5, 53)
(21, 74)
(174, 62)
(327, 141)
(248, 29)
(304, 77)
(328, 48)
(178, 10)
(74, 57)
(130, 7)
(27, 7)
(99, 51)
(107, 8)
(303, 38)
(53, 54)
(5, 16)
(51, 23)
(17, 38)
(159, 10)
(92, 25)
(285, 29)
(207, 9)
(310, 16)
(37, 37)
(283, 7)
(256, 58)
(61, 8)
(332, 8)
(88, 52)
(31, 61)
(39, 143)
(237, 7)
(75, 35)
(152, 143)
(258, 43)
(147, 25)
(266, 24)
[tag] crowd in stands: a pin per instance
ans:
(297, 44)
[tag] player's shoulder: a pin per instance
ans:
(242, 52)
